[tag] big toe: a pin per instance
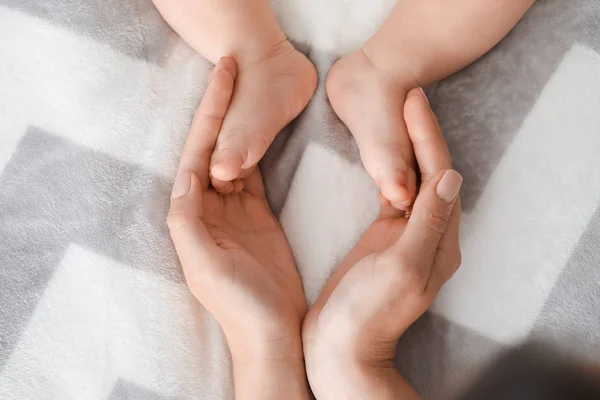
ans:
(391, 163)
(398, 186)
(226, 164)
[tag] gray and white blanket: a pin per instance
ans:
(96, 98)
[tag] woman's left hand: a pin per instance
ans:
(388, 280)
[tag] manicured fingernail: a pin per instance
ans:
(449, 186)
(423, 95)
(181, 186)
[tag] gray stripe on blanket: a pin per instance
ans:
(482, 107)
(50, 188)
(440, 358)
(571, 316)
(317, 124)
(124, 390)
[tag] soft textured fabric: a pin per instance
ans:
(96, 98)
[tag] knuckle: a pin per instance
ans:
(458, 260)
(437, 222)
(177, 220)
(228, 64)
(174, 220)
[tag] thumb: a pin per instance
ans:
(429, 218)
(193, 243)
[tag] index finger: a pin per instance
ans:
(426, 136)
(207, 121)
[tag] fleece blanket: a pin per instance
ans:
(96, 98)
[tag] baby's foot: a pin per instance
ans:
(370, 102)
(268, 95)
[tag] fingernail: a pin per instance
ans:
(181, 186)
(423, 95)
(449, 186)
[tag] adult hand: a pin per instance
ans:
(388, 280)
(236, 259)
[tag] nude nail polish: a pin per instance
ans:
(449, 186)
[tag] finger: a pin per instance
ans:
(430, 147)
(447, 258)
(208, 120)
(193, 243)
(429, 219)
(226, 187)
(221, 186)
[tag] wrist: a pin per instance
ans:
(360, 366)
(269, 368)
(337, 375)
(265, 347)
(270, 379)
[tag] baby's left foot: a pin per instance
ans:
(371, 104)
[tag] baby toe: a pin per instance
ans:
(222, 187)
(399, 188)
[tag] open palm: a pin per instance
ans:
(233, 251)
(255, 268)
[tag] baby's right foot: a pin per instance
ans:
(371, 104)
(268, 94)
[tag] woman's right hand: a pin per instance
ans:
(388, 280)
